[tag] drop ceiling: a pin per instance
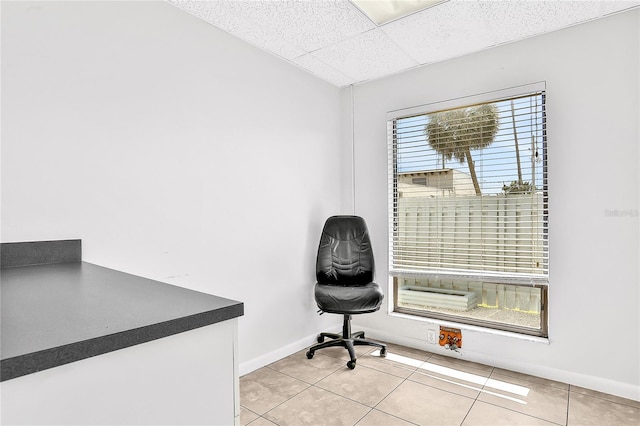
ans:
(337, 42)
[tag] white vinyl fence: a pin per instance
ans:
(488, 236)
(502, 234)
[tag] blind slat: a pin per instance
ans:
(487, 221)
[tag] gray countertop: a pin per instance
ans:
(60, 313)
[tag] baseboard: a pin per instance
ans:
(268, 358)
(600, 384)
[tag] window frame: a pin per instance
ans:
(394, 276)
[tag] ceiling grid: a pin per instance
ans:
(337, 42)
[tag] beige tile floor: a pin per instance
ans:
(412, 387)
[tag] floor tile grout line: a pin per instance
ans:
(365, 415)
(440, 389)
(288, 399)
(631, 404)
(386, 396)
(521, 413)
(554, 384)
(304, 381)
(346, 397)
(405, 379)
(515, 411)
(371, 408)
(566, 422)
(477, 396)
(307, 388)
(242, 406)
(570, 389)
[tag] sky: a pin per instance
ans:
(496, 164)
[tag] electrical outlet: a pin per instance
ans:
(450, 338)
(431, 336)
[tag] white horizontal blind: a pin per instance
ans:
(486, 222)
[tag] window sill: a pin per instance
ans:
(525, 337)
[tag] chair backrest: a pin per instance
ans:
(345, 256)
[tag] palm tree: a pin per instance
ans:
(456, 132)
(515, 141)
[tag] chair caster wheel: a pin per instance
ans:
(383, 352)
(320, 339)
(351, 364)
(309, 354)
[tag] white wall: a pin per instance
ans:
(175, 152)
(591, 74)
(179, 153)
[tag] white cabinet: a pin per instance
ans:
(190, 378)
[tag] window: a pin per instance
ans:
(419, 181)
(468, 211)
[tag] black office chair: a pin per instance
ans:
(344, 273)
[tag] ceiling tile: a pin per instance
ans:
(324, 71)
(201, 9)
(309, 25)
(515, 20)
(366, 56)
(235, 18)
(444, 31)
(607, 7)
(335, 41)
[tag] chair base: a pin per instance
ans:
(347, 340)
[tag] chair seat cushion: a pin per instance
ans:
(338, 299)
